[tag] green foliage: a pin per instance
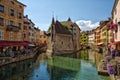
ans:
(83, 38)
(65, 26)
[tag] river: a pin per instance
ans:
(66, 67)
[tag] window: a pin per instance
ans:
(44, 36)
(32, 34)
(1, 21)
(29, 34)
(1, 35)
(24, 35)
(19, 36)
(62, 42)
(11, 36)
(40, 36)
(19, 25)
(19, 15)
(12, 3)
(25, 27)
(20, 6)
(12, 12)
(1, 8)
(11, 22)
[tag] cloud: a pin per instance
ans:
(87, 25)
(42, 27)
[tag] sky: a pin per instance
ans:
(86, 13)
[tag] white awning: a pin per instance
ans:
(31, 45)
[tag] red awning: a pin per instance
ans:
(13, 43)
(113, 43)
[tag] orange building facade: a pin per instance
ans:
(97, 35)
(11, 20)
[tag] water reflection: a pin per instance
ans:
(67, 67)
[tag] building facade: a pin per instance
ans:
(104, 32)
(31, 32)
(115, 27)
(26, 29)
(91, 37)
(11, 20)
(43, 38)
(97, 36)
(37, 36)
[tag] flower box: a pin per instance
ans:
(113, 26)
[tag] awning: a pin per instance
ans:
(31, 45)
(100, 43)
(13, 43)
(113, 43)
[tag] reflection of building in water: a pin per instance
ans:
(16, 71)
(63, 67)
(40, 58)
(91, 55)
(66, 63)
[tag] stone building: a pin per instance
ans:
(63, 37)
(75, 30)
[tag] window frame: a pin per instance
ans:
(12, 12)
(1, 35)
(11, 36)
(2, 8)
(2, 23)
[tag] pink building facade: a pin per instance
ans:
(115, 27)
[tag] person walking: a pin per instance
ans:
(100, 53)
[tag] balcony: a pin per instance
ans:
(12, 28)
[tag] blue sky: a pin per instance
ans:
(86, 13)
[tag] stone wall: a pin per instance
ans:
(63, 42)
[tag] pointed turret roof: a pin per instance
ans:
(69, 19)
(53, 21)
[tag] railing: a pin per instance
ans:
(13, 28)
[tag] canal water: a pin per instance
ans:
(67, 67)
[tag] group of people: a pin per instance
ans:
(13, 52)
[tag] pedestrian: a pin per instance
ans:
(113, 51)
(100, 53)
